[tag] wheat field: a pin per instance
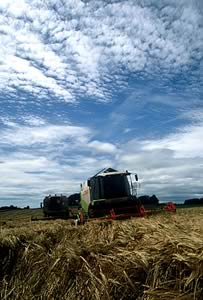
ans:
(158, 257)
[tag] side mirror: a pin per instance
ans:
(88, 182)
(136, 177)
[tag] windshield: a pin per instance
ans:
(113, 186)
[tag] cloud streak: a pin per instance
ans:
(18, 135)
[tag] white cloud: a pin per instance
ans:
(70, 49)
(19, 135)
(27, 178)
(78, 50)
(102, 147)
(33, 120)
(170, 167)
(55, 159)
(185, 143)
(46, 158)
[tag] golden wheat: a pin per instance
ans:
(160, 257)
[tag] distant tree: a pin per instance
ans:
(193, 201)
(154, 199)
(11, 207)
(147, 200)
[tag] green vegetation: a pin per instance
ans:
(154, 258)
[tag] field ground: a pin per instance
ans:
(154, 258)
(19, 215)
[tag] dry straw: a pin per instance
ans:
(153, 258)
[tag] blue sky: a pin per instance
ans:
(91, 84)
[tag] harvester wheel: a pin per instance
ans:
(112, 214)
(91, 212)
(142, 211)
(82, 220)
(171, 207)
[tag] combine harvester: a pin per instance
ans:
(112, 195)
(56, 206)
(59, 206)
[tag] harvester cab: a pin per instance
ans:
(110, 193)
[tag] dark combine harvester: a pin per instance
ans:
(56, 206)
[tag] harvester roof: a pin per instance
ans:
(114, 173)
(111, 171)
